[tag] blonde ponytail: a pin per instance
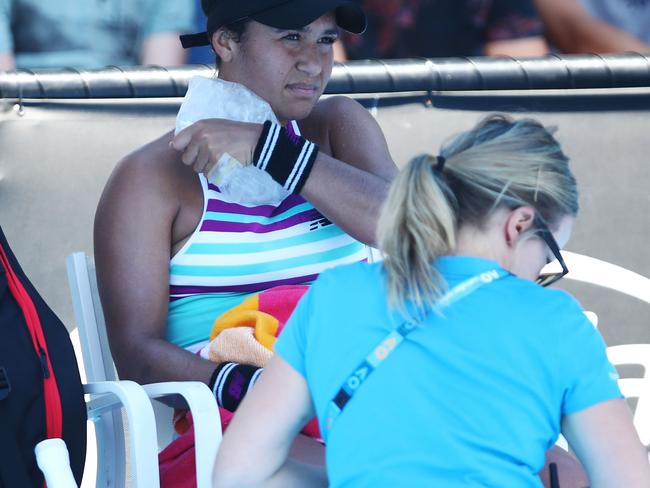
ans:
(417, 224)
(500, 162)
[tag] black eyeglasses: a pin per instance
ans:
(546, 279)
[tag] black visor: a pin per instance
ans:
(281, 14)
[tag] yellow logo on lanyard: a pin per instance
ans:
(385, 348)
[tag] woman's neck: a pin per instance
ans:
(483, 243)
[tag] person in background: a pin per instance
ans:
(597, 26)
(92, 33)
(421, 28)
(201, 54)
(449, 363)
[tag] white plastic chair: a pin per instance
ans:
(145, 438)
(105, 433)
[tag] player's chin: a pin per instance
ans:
(298, 110)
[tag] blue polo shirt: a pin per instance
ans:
(474, 397)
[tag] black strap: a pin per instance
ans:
(195, 40)
(13, 472)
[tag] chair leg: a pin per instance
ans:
(110, 435)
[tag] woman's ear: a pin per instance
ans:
(518, 222)
(224, 44)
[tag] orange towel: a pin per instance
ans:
(266, 313)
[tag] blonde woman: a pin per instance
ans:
(449, 364)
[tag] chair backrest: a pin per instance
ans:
(89, 316)
(95, 349)
(98, 366)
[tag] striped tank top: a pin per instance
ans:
(237, 250)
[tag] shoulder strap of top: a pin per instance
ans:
(292, 126)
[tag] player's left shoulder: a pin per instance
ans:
(329, 113)
(334, 108)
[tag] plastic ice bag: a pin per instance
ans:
(210, 98)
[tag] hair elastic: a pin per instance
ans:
(440, 165)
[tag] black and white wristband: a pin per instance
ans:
(287, 158)
(231, 381)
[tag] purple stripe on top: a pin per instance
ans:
(293, 137)
(222, 226)
(215, 205)
(251, 287)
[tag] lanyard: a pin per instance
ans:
(394, 338)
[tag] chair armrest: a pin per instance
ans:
(141, 426)
(206, 418)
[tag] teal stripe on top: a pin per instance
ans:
(190, 319)
(256, 247)
(238, 270)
